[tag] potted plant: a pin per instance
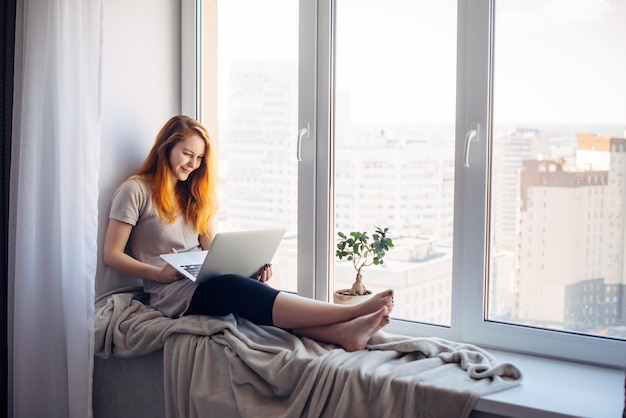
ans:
(363, 251)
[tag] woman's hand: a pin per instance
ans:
(168, 273)
(263, 274)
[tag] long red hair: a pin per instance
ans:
(195, 198)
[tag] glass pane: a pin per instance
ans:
(558, 166)
(395, 69)
(255, 102)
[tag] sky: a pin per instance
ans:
(397, 58)
(565, 57)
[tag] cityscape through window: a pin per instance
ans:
(555, 217)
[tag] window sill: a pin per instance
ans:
(556, 388)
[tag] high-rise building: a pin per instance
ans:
(571, 247)
(617, 233)
(509, 152)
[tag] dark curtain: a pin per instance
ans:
(7, 49)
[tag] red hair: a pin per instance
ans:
(195, 198)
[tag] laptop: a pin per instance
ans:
(239, 252)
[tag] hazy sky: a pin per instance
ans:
(555, 60)
(561, 60)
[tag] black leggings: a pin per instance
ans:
(232, 293)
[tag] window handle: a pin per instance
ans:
(470, 136)
(303, 133)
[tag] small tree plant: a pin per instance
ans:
(358, 248)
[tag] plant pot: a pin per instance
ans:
(343, 297)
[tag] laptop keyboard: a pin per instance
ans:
(192, 269)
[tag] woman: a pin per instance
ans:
(169, 205)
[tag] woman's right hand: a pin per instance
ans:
(169, 274)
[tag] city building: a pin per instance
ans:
(571, 250)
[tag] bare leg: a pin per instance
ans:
(293, 311)
(352, 335)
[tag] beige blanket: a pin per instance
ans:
(219, 364)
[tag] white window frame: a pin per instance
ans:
(315, 168)
(315, 182)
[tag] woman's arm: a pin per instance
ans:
(115, 240)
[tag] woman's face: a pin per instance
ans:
(186, 156)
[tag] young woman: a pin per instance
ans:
(169, 206)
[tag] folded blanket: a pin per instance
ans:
(266, 371)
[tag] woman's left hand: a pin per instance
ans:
(264, 273)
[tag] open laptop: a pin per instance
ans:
(239, 252)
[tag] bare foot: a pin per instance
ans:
(354, 335)
(376, 302)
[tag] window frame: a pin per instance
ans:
(191, 60)
(471, 223)
(315, 171)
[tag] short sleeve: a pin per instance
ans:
(129, 202)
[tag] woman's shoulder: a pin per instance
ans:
(131, 200)
(136, 184)
(134, 189)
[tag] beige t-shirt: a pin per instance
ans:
(150, 237)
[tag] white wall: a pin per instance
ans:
(141, 91)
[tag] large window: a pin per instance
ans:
(488, 135)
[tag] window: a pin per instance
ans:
(533, 243)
